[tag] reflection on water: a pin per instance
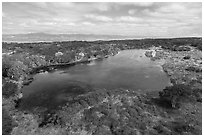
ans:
(130, 69)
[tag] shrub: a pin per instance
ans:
(17, 70)
(7, 123)
(175, 94)
(6, 65)
(197, 44)
(187, 57)
(7, 62)
(50, 118)
(198, 94)
(194, 69)
(9, 89)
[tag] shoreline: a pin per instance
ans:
(29, 77)
(53, 66)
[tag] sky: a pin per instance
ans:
(122, 18)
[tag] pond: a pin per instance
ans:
(130, 69)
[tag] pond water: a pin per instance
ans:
(130, 69)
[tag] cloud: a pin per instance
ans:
(143, 4)
(98, 17)
(139, 4)
(172, 8)
(3, 14)
(129, 18)
(103, 6)
(132, 11)
(88, 23)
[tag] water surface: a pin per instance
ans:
(130, 69)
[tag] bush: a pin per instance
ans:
(194, 69)
(176, 94)
(7, 123)
(50, 118)
(197, 44)
(6, 65)
(9, 89)
(187, 57)
(7, 62)
(198, 94)
(17, 70)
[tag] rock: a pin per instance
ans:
(20, 95)
(58, 54)
(149, 54)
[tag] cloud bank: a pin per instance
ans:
(134, 19)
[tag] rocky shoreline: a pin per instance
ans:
(177, 66)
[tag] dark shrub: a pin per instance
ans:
(194, 69)
(6, 65)
(9, 89)
(161, 130)
(7, 123)
(197, 44)
(175, 94)
(187, 57)
(50, 118)
(182, 127)
(198, 94)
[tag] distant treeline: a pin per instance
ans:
(166, 43)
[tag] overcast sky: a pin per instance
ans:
(138, 19)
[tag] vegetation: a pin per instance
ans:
(118, 112)
(7, 123)
(187, 57)
(179, 93)
(9, 89)
(194, 69)
(6, 65)
(102, 111)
